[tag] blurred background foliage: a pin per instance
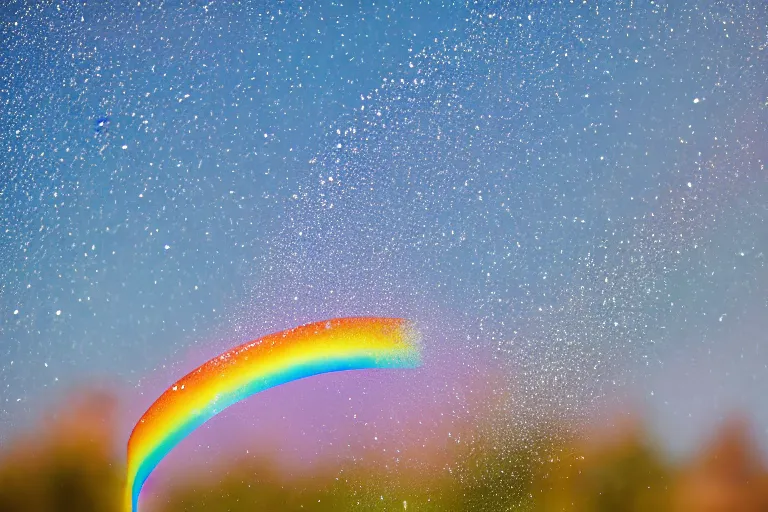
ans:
(67, 464)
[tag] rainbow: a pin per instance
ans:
(321, 347)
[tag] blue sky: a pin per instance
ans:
(575, 191)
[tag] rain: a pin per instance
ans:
(567, 197)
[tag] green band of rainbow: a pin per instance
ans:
(321, 347)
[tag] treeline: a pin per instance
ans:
(68, 465)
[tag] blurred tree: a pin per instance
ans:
(619, 473)
(728, 475)
(66, 466)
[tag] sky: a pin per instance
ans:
(569, 198)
